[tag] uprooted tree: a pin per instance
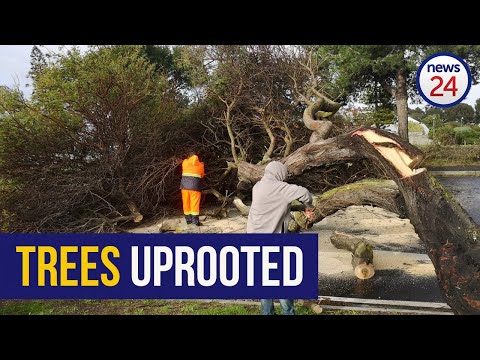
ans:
(98, 146)
(450, 235)
(448, 232)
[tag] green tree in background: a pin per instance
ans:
(92, 146)
(361, 69)
(432, 120)
(378, 117)
(390, 67)
(477, 111)
(165, 60)
(417, 113)
(461, 113)
(437, 112)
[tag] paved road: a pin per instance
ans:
(403, 271)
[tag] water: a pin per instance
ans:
(466, 190)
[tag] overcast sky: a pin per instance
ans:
(15, 64)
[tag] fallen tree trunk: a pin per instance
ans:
(448, 232)
(362, 253)
(374, 192)
(322, 152)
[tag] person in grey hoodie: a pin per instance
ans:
(270, 213)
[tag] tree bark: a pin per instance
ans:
(321, 128)
(401, 100)
(374, 192)
(449, 233)
(320, 153)
(271, 147)
(310, 304)
(288, 140)
(228, 124)
(244, 209)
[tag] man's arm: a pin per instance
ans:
(295, 192)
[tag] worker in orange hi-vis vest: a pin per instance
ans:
(192, 174)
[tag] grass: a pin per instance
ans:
(141, 307)
(413, 127)
(455, 155)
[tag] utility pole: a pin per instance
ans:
(433, 129)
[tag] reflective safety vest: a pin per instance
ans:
(192, 173)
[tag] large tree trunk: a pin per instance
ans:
(401, 99)
(374, 192)
(322, 152)
(449, 233)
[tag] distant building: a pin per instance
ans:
(393, 128)
(415, 138)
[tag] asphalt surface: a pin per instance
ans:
(388, 284)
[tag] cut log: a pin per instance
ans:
(362, 253)
(448, 232)
(310, 304)
(364, 271)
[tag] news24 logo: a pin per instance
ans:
(444, 79)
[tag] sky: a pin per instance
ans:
(15, 64)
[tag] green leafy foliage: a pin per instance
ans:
(477, 111)
(461, 112)
(88, 141)
(378, 117)
(417, 114)
(469, 136)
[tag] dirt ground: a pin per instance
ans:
(396, 244)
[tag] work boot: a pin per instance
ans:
(196, 220)
(188, 218)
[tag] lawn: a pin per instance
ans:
(454, 155)
(140, 307)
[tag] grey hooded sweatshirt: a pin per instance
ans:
(271, 198)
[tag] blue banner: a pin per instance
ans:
(158, 266)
